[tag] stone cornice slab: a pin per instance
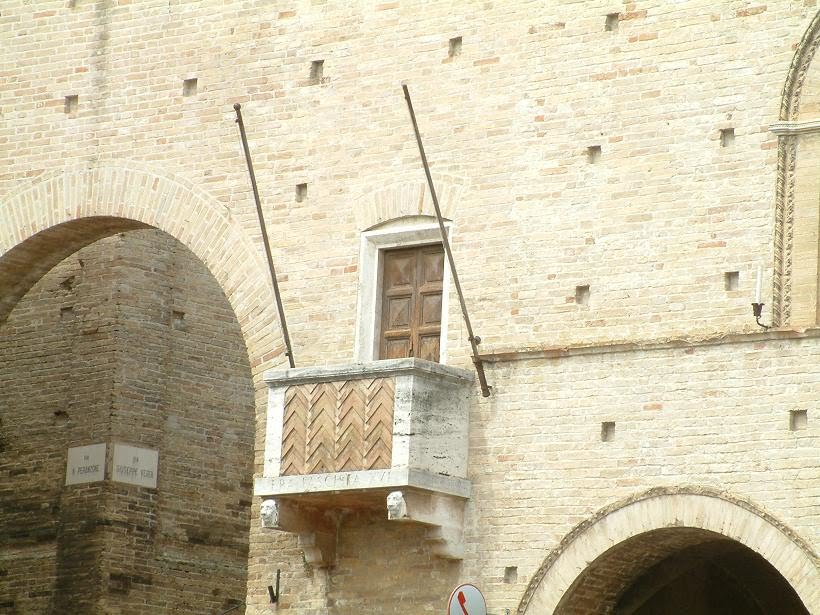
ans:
(388, 368)
(338, 482)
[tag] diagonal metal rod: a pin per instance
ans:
(233, 608)
(289, 352)
(474, 341)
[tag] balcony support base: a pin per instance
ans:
(444, 514)
(315, 530)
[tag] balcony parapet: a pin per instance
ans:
(346, 437)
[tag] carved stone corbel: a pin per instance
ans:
(316, 532)
(443, 513)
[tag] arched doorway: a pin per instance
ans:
(680, 570)
(128, 318)
(677, 550)
(127, 342)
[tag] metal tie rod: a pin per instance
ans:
(474, 341)
(289, 352)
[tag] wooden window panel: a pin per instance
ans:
(429, 346)
(411, 303)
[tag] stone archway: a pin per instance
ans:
(622, 542)
(60, 213)
(165, 353)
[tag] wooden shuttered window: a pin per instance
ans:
(411, 303)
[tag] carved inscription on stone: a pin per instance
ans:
(136, 466)
(86, 464)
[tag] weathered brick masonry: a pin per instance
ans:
(614, 172)
(110, 347)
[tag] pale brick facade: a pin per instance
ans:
(653, 152)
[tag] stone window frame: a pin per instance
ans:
(407, 232)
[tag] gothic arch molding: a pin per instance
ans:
(61, 212)
(784, 233)
(796, 76)
(684, 507)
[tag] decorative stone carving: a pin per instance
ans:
(269, 513)
(396, 506)
(786, 159)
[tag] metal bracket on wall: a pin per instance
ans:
(757, 312)
(274, 594)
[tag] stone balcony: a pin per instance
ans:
(387, 435)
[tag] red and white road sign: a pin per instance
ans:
(466, 600)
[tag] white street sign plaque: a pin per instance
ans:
(466, 600)
(85, 464)
(136, 466)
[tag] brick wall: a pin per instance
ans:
(56, 392)
(651, 227)
(716, 416)
(651, 223)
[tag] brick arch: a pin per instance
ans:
(66, 210)
(696, 514)
(405, 200)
